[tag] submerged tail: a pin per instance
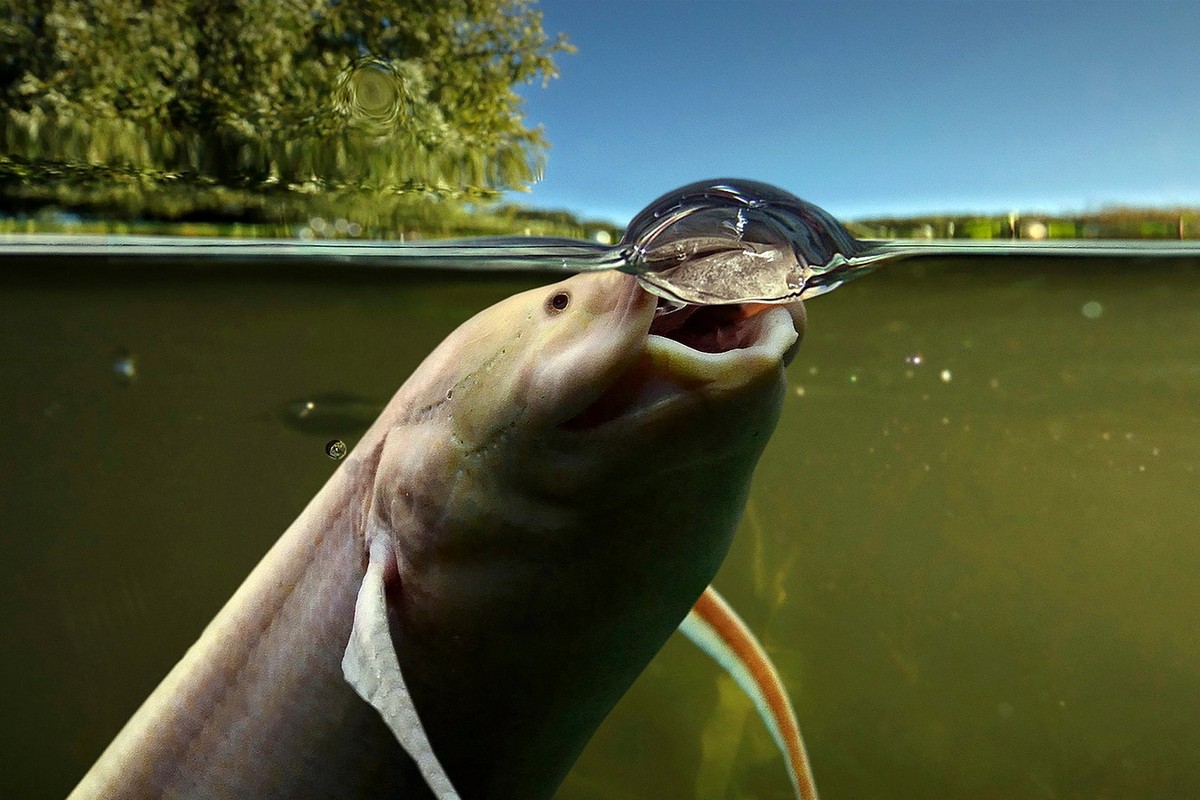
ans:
(717, 630)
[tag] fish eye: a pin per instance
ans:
(558, 301)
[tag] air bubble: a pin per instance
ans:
(728, 241)
(335, 449)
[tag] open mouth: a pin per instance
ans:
(691, 348)
(709, 329)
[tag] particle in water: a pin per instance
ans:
(335, 449)
(915, 360)
(854, 379)
(946, 376)
(124, 366)
(1092, 309)
(800, 391)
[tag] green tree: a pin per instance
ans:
(267, 96)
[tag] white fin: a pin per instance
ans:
(372, 669)
(717, 630)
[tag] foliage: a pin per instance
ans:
(252, 104)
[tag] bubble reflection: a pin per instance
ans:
(372, 95)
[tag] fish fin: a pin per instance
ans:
(372, 669)
(715, 628)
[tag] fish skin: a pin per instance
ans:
(539, 564)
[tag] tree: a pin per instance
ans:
(271, 96)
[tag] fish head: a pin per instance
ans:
(559, 481)
(559, 391)
(576, 407)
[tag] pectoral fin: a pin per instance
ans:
(371, 668)
(717, 630)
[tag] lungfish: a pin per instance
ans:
(454, 613)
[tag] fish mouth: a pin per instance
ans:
(694, 350)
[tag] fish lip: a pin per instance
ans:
(668, 372)
(772, 334)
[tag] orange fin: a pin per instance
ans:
(717, 630)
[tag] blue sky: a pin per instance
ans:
(874, 108)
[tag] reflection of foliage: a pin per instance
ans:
(259, 96)
(1117, 222)
(114, 198)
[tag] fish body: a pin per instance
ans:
(540, 505)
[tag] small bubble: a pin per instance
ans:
(335, 449)
(946, 376)
(1092, 309)
(915, 360)
(854, 379)
(800, 391)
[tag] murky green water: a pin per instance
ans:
(971, 547)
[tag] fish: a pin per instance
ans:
(538, 508)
